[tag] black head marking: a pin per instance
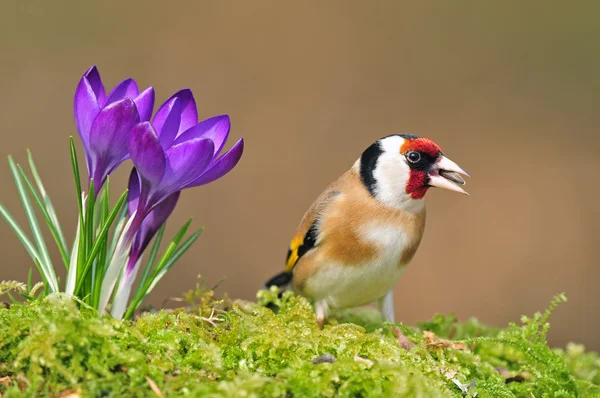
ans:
(425, 162)
(409, 137)
(310, 239)
(368, 161)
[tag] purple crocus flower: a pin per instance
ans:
(104, 122)
(171, 153)
(152, 222)
(175, 152)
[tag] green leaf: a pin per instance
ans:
(19, 232)
(29, 277)
(48, 205)
(81, 256)
(76, 176)
(27, 297)
(89, 232)
(44, 257)
(172, 246)
(98, 243)
(106, 198)
(80, 241)
(99, 266)
(12, 298)
(171, 255)
(49, 222)
(173, 259)
(151, 258)
(121, 221)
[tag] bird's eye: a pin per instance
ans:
(413, 156)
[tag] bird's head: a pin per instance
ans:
(399, 169)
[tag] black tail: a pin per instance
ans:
(281, 280)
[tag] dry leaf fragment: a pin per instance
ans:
(5, 381)
(154, 387)
(76, 393)
(433, 341)
(366, 361)
(449, 374)
(23, 382)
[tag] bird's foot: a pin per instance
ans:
(322, 309)
(402, 339)
(320, 322)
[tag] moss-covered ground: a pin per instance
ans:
(56, 346)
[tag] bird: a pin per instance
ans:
(356, 239)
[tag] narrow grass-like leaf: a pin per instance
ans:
(76, 175)
(173, 259)
(172, 246)
(19, 232)
(99, 264)
(44, 256)
(29, 278)
(121, 221)
(106, 197)
(170, 256)
(117, 262)
(27, 297)
(79, 259)
(80, 240)
(101, 236)
(89, 217)
(151, 258)
(12, 298)
(48, 203)
(123, 290)
(51, 226)
(47, 290)
(89, 234)
(75, 262)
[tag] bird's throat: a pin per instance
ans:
(416, 186)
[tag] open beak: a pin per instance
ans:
(446, 174)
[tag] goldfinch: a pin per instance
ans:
(357, 238)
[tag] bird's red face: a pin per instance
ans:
(429, 167)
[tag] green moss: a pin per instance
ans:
(266, 349)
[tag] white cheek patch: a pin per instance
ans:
(392, 174)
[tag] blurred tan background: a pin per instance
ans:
(510, 91)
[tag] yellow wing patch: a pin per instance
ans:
(293, 253)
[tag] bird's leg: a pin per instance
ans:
(386, 306)
(322, 309)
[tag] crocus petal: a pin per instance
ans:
(126, 89)
(185, 162)
(109, 137)
(145, 104)
(146, 153)
(189, 113)
(133, 192)
(93, 77)
(170, 127)
(221, 166)
(216, 128)
(152, 223)
(86, 103)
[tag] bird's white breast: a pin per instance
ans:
(351, 285)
